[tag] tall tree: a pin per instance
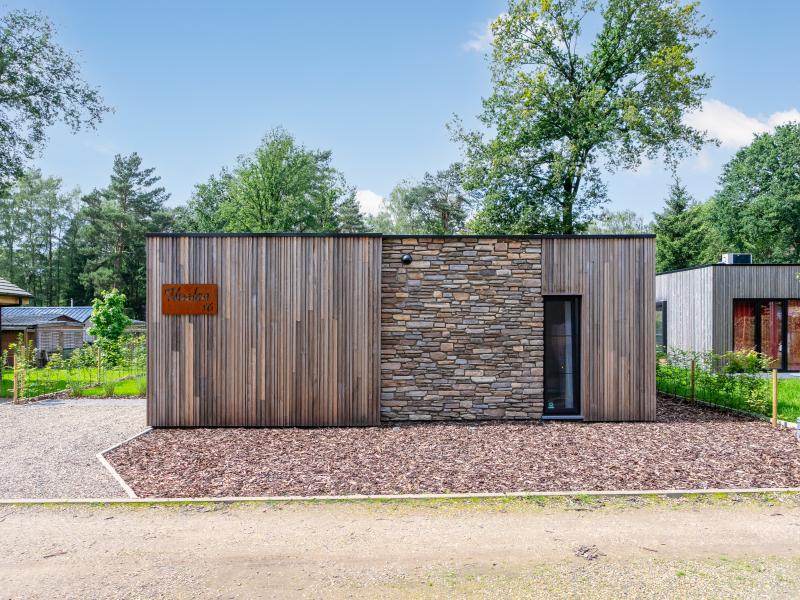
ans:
(438, 204)
(283, 186)
(40, 85)
(757, 207)
(559, 113)
(115, 221)
(349, 218)
(202, 212)
(34, 213)
(684, 236)
(618, 222)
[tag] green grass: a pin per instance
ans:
(128, 387)
(788, 397)
(45, 381)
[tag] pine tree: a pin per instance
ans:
(348, 215)
(684, 237)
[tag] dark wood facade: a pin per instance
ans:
(615, 281)
(295, 341)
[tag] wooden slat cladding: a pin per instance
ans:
(690, 304)
(746, 281)
(615, 279)
(296, 341)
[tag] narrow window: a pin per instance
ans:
(661, 325)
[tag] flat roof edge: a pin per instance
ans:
(711, 265)
(396, 236)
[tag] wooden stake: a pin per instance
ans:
(16, 381)
(774, 398)
(694, 366)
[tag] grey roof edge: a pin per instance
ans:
(710, 265)
(395, 236)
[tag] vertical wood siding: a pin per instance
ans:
(690, 305)
(747, 281)
(296, 341)
(615, 279)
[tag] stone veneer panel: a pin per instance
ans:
(462, 329)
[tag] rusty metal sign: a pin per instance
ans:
(189, 298)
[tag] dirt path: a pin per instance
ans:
(446, 549)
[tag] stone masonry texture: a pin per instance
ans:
(462, 329)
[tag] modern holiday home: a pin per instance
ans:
(732, 305)
(315, 330)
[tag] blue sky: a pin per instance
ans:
(195, 84)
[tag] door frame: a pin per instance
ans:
(576, 414)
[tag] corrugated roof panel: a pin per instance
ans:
(78, 313)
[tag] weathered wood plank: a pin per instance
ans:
(615, 280)
(296, 341)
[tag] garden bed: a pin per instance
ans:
(689, 446)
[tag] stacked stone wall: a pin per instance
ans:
(462, 329)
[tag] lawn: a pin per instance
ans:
(127, 387)
(788, 396)
(44, 381)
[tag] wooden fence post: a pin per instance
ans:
(774, 398)
(98, 364)
(693, 379)
(15, 378)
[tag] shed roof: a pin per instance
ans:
(15, 321)
(9, 289)
(80, 314)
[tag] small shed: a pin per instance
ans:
(52, 328)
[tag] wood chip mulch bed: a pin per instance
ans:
(689, 446)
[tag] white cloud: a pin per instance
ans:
(481, 40)
(370, 201)
(731, 126)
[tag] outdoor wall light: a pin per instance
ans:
(406, 259)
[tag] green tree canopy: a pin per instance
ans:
(109, 320)
(114, 222)
(34, 215)
(563, 106)
(618, 222)
(684, 236)
(281, 187)
(757, 207)
(40, 85)
(438, 204)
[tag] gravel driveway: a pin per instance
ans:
(689, 446)
(48, 448)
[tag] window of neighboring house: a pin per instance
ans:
(771, 327)
(661, 325)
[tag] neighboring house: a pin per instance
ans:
(346, 329)
(10, 295)
(51, 328)
(732, 306)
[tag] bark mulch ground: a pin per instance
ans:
(689, 446)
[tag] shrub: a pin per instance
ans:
(108, 388)
(141, 386)
(734, 379)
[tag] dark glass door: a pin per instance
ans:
(561, 353)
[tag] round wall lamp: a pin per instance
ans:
(406, 259)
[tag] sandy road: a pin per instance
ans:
(673, 548)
